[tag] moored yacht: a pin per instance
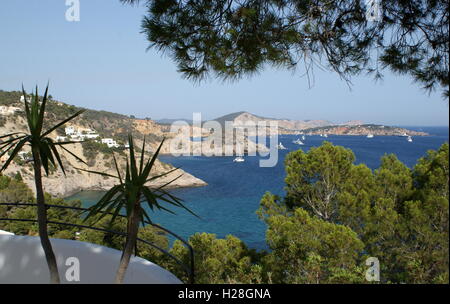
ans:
(281, 147)
(239, 159)
(369, 135)
(410, 139)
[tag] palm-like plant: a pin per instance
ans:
(44, 151)
(130, 195)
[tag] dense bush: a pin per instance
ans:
(219, 261)
(14, 190)
(91, 149)
(395, 214)
(9, 98)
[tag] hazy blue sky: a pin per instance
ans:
(101, 62)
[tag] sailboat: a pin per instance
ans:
(281, 147)
(298, 142)
(410, 139)
(303, 137)
(239, 158)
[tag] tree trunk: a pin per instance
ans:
(42, 221)
(132, 232)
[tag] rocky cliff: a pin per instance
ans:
(285, 126)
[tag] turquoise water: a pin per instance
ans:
(228, 204)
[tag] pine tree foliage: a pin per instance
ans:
(229, 38)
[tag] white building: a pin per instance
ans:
(81, 134)
(23, 262)
(4, 110)
(90, 134)
(111, 143)
(61, 138)
(24, 155)
(70, 131)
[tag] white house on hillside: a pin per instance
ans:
(4, 110)
(89, 134)
(25, 156)
(111, 143)
(70, 131)
(81, 134)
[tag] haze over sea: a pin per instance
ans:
(228, 204)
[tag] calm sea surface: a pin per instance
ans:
(228, 204)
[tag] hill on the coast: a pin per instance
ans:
(101, 124)
(240, 118)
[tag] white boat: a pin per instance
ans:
(325, 135)
(303, 137)
(298, 142)
(239, 159)
(281, 147)
(410, 139)
(369, 135)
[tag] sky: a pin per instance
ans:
(102, 63)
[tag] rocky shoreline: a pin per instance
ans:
(59, 185)
(62, 186)
(361, 130)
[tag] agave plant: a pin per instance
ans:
(45, 152)
(131, 195)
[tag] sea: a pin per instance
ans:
(228, 204)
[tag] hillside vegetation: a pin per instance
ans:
(96, 154)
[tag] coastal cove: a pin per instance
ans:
(228, 203)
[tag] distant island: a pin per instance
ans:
(316, 127)
(364, 129)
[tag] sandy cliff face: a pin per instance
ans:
(147, 127)
(75, 180)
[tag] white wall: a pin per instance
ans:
(22, 260)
